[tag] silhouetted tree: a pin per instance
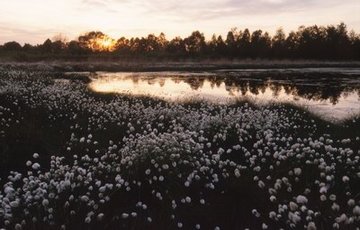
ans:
(58, 46)
(28, 47)
(355, 44)
(244, 44)
(216, 47)
(46, 46)
(279, 44)
(231, 42)
(260, 44)
(337, 41)
(11, 46)
(74, 48)
(176, 47)
(162, 42)
(153, 44)
(292, 45)
(122, 46)
(221, 46)
(195, 43)
(312, 42)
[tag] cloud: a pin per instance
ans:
(22, 35)
(190, 10)
(94, 3)
(174, 17)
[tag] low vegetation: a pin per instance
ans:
(73, 159)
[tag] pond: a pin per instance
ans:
(330, 93)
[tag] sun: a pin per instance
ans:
(107, 43)
(103, 43)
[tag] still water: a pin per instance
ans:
(332, 95)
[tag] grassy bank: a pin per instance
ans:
(181, 65)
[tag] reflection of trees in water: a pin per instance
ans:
(321, 93)
(314, 87)
(177, 80)
(135, 80)
(195, 82)
(162, 82)
(277, 88)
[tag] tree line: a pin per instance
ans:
(311, 42)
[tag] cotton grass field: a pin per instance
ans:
(71, 158)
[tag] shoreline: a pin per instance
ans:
(205, 65)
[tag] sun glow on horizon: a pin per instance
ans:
(107, 43)
(102, 43)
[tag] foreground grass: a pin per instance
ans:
(108, 162)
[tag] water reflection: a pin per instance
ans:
(333, 97)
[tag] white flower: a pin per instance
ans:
(100, 216)
(272, 198)
(35, 166)
(293, 206)
(264, 226)
(345, 179)
(45, 202)
(237, 173)
(87, 220)
(297, 171)
(356, 210)
(300, 199)
(85, 198)
(14, 204)
(351, 202)
(311, 226)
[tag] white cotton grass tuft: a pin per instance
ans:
(300, 199)
(35, 166)
(345, 179)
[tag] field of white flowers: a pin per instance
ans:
(74, 159)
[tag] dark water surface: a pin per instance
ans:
(331, 93)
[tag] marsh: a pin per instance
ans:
(219, 149)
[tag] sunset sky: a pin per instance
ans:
(33, 21)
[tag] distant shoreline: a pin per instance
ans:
(186, 65)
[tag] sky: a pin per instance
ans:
(33, 21)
